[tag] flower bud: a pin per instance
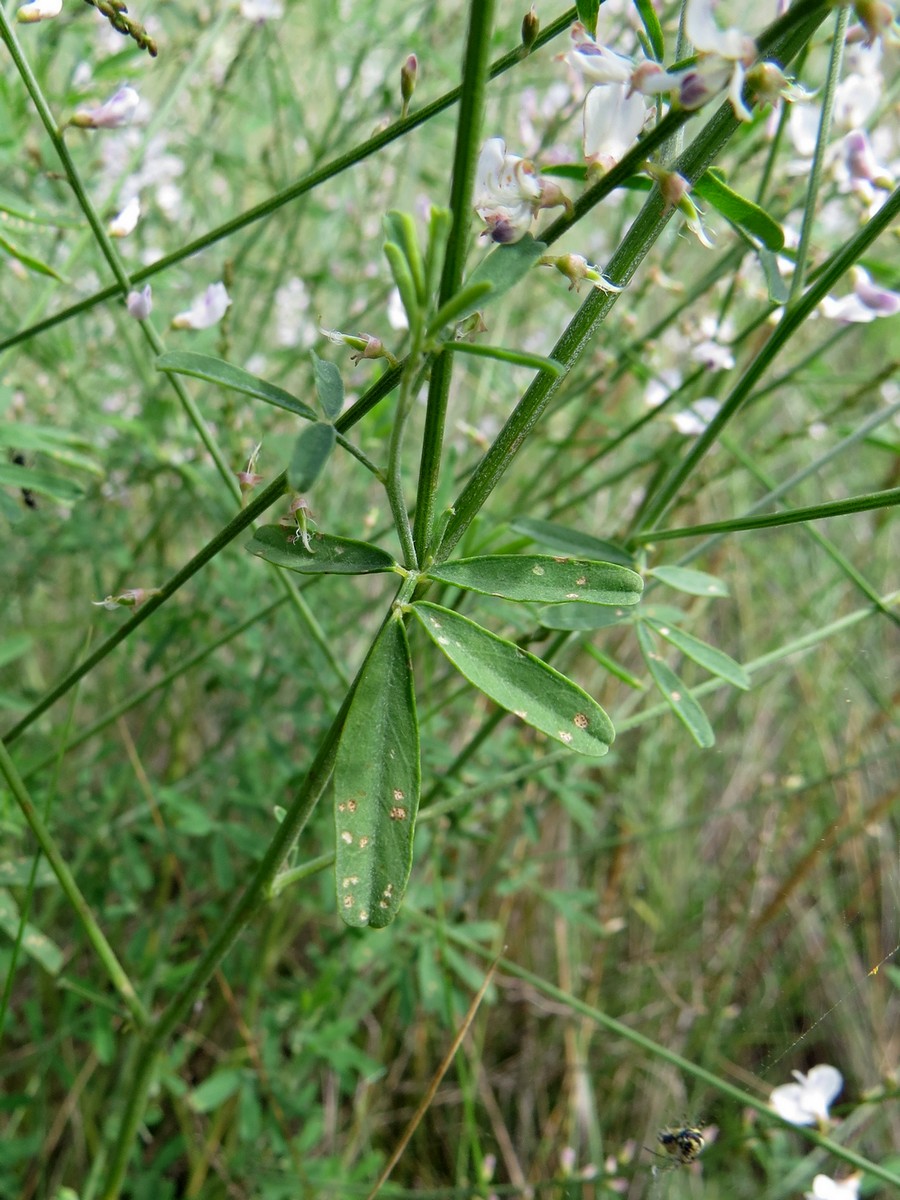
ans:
(408, 74)
(531, 26)
(140, 304)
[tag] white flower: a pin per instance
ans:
(612, 121)
(826, 1188)
(694, 420)
(39, 10)
(806, 1101)
(126, 222)
(732, 47)
(140, 304)
(207, 310)
(595, 63)
(507, 192)
(262, 10)
(713, 355)
(116, 111)
(865, 303)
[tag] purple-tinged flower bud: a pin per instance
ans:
(118, 110)
(140, 304)
(408, 74)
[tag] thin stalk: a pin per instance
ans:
(306, 183)
(782, 336)
(114, 969)
(468, 135)
(258, 505)
(841, 17)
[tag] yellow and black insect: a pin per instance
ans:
(682, 1144)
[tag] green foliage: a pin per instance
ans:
(185, 1011)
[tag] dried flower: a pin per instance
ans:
(133, 598)
(576, 268)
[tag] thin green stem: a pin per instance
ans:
(782, 336)
(259, 504)
(841, 17)
(117, 975)
(468, 136)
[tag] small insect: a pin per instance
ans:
(683, 1144)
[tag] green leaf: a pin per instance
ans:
(652, 28)
(330, 555)
(215, 370)
(717, 662)
(29, 260)
(739, 210)
(329, 386)
(17, 873)
(14, 647)
(214, 1091)
(577, 617)
(34, 943)
(376, 785)
(466, 301)
(571, 541)
(676, 694)
(440, 222)
(504, 267)
(543, 580)
(779, 291)
(519, 682)
(53, 486)
(312, 450)
(587, 14)
(520, 358)
(695, 583)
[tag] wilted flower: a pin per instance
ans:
(826, 1188)
(675, 191)
(364, 345)
(248, 479)
(118, 110)
(806, 1101)
(126, 222)
(576, 268)
(299, 520)
(206, 311)
(613, 118)
(133, 598)
(140, 304)
(39, 10)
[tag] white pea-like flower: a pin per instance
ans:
(118, 110)
(126, 221)
(826, 1188)
(38, 10)
(613, 118)
(507, 192)
(206, 311)
(806, 1101)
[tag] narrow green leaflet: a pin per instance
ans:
(740, 211)
(215, 370)
(329, 386)
(376, 785)
(588, 11)
(29, 260)
(676, 694)
(652, 28)
(695, 583)
(34, 943)
(519, 358)
(564, 540)
(503, 268)
(40, 481)
(311, 452)
(717, 662)
(542, 579)
(519, 682)
(579, 616)
(216, 1089)
(327, 555)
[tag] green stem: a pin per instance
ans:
(468, 135)
(259, 504)
(80, 906)
(791, 320)
(306, 184)
(257, 891)
(841, 18)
